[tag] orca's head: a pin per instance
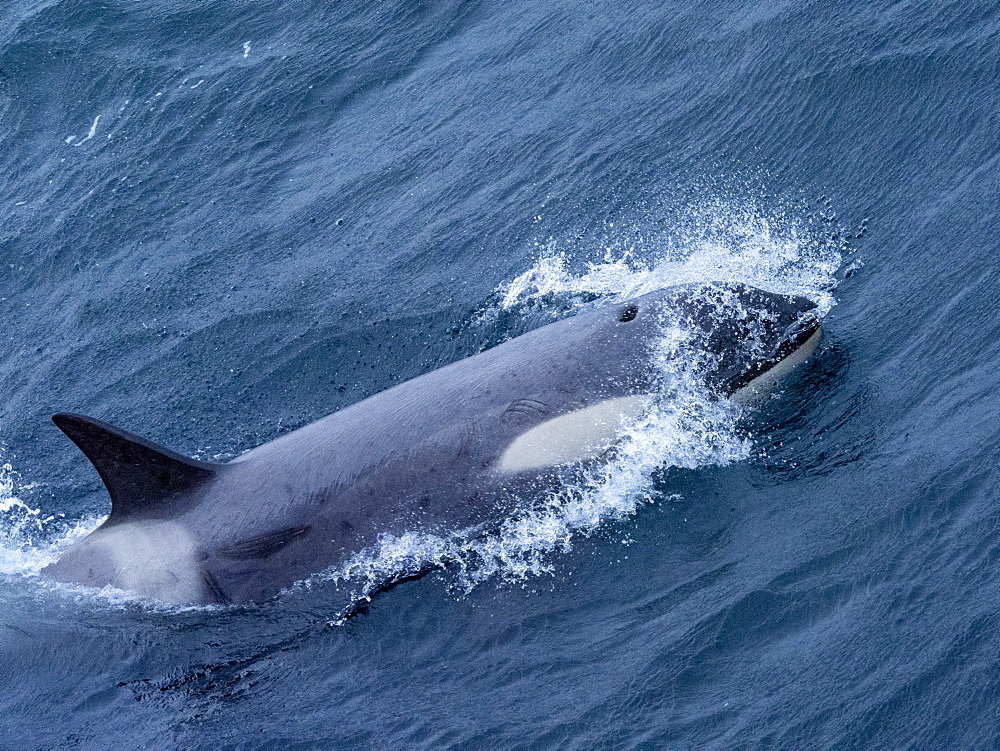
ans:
(752, 338)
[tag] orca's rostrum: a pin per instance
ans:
(452, 449)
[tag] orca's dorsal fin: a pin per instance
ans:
(144, 480)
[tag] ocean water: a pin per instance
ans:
(221, 221)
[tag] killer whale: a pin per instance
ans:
(455, 448)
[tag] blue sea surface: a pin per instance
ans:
(220, 221)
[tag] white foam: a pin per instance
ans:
(90, 135)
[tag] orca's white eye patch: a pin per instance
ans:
(574, 437)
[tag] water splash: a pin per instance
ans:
(29, 539)
(717, 241)
(687, 427)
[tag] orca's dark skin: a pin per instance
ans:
(453, 449)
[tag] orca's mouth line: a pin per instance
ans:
(797, 334)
